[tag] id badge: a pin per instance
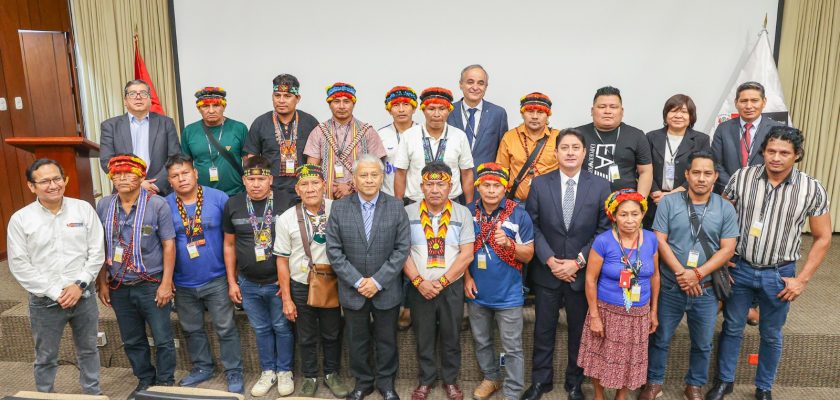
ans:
(669, 172)
(118, 254)
(693, 258)
(624, 279)
(290, 166)
(304, 265)
(260, 253)
(636, 293)
(614, 174)
(192, 249)
(214, 174)
(755, 228)
(482, 261)
(339, 171)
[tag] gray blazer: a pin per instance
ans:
(115, 138)
(382, 257)
(726, 147)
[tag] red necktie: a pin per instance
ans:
(745, 145)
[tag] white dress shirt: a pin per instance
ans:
(48, 252)
(564, 179)
(411, 157)
(140, 138)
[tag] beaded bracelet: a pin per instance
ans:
(698, 274)
(443, 281)
(417, 281)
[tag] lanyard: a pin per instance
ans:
(467, 121)
(210, 149)
(671, 152)
(600, 139)
(695, 235)
(744, 133)
(427, 146)
(190, 223)
(252, 218)
(625, 255)
(280, 131)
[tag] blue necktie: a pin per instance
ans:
(367, 218)
(471, 125)
(568, 202)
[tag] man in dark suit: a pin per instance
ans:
(484, 122)
(733, 149)
(150, 136)
(567, 208)
(369, 263)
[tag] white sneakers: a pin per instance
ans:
(284, 379)
(261, 388)
(285, 383)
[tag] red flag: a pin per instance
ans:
(140, 72)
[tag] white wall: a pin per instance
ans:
(567, 49)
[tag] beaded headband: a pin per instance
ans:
(400, 94)
(437, 176)
(535, 101)
(341, 89)
(210, 95)
(491, 171)
(436, 95)
(257, 172)
(309, 171)
(126, 164)
(620, 196)
(288, 89)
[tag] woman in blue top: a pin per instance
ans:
(622, 289)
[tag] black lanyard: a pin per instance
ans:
(636, 266)
(695, 235)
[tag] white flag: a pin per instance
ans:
(760, 68)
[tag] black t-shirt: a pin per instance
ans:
(631, 150)
(262, 141)
(235, 221)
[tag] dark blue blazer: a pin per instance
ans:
(491, 128)
(551, 238)
(726, 147)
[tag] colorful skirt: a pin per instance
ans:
(620, 358)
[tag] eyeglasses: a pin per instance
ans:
(45, 183)
(143, 94)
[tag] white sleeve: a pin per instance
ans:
(20, 263)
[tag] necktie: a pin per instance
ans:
(471, 125)
(745, 145)
(568, 202)
(367, 218)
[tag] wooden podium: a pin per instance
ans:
(72, 152)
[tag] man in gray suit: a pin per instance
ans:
(150, 136)
(369, 263)
(732, 148)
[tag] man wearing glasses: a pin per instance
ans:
(56, 248)
(152, 137)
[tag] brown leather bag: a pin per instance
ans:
(323, 283)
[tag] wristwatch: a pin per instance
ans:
(581, 262)
(81, 284)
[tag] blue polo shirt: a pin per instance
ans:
(500, 285)
(210, 263)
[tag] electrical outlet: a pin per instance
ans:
(101, 340)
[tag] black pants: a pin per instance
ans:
(313, 323)
(547, 306)
(441, 318)
(384, 335)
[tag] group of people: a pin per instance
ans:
(325, 231)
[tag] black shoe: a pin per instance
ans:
(140, 387)
(389, 394)
(576, 393)
(719, 390)
(537, 390)
(359, 394)
(763, 394)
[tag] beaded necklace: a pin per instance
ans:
(261, 238)
(317, 224)
(132, 257)
(435, 243)
(487, 225)
(192, 226)
(288, 148)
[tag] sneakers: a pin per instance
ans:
(285, 383)
(336, 384)
(485, 389)
(235, 382)
(309, 387)
(195, 377)
(264, 384)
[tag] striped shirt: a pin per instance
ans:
(782, 211)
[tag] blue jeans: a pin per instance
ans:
(275, 341)
(47, 320)
(701, 314)
(762, 284)
(190, 303)
(135, 307)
